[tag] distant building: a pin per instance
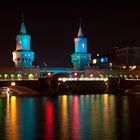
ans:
(80, 58)
(101, 61)
(127, 56)
(23, 56)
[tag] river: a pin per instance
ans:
(72, 117)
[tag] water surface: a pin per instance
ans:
(82, 117)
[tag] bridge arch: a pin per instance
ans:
(0, 76)
(61, 74)
(133, 90)
(19, 90)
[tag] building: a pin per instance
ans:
(80, 58)
(23, 56)
(83, 65)
(101, 61)
(128, 56)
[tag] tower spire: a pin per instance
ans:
(23, 56)
(23, 28)
(80, 32)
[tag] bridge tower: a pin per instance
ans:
(80, 58)
(23, 57)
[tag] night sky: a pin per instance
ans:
(54, 25)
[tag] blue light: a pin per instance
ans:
(102, 60)
(106, 59)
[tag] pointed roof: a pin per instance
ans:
(80, 32)
(23, 28)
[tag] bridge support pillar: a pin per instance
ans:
(48, 84)
(115, 85)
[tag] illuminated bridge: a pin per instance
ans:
(86, 85)
(59, 71)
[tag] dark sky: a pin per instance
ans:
(54, 25)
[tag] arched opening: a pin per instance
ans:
(101, 76)
(62, 74)
(125, 76)
(31, 77)
(6, 76)
(137, 77)
(110, 76)
(0, 76)
(91, 75)
(19, 76)
(82, 76)
(130, 76)
(12, 76)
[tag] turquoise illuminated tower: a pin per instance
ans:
(23, 56)
(80, 58)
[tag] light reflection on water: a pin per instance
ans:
(76, 117)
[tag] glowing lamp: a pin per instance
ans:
(75, 74)
(106, 59)
(13, 83)
(102, 60)
(94, 61)
(49, 74)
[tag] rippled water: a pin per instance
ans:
(83, 117)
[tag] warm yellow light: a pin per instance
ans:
(94, 61)
(124, 67)
(13, 83)
(132, 67)
(91, 75)
(110, 64)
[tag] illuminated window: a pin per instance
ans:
(110, 64)
(106, 59)
(83, 45)
(94, 61)
(102, 60)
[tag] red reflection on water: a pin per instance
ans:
(76, 119)
(49, 121)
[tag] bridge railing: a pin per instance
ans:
(18, 79)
